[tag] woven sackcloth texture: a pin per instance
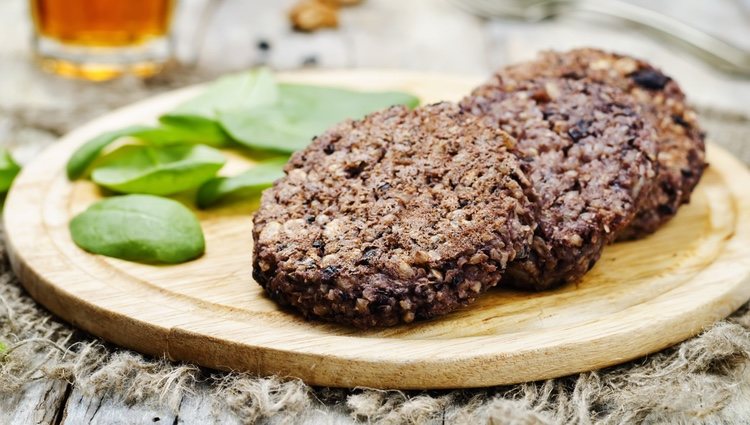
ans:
(703, 380)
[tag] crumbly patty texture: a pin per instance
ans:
(401, 216)
(591, 160)
(681, 158)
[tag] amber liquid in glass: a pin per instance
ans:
(102, 39)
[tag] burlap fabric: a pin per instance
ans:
(703, 380)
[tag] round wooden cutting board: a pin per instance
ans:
(641, 297)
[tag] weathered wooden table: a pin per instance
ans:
(432, 35)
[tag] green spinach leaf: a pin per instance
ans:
(85, 155)
(192, 122)
(139, 228)
(157, 170)
(190, 129)
(237, 91)
(302, 112)
(197, 116)
(249, 183)
(159, 136)
(9, 169)
(185, 133)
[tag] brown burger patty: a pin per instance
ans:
(680, 141)
(590, 158)
(401, 216)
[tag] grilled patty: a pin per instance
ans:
(680, 141)
(591, 159)
(403, 215)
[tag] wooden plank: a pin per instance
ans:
(202, 409)
(199, 408)
(37, 403)
(105, 410)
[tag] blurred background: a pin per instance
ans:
(201, 39)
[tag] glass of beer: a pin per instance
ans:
(102, 39)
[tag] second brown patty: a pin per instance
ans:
(591, 159)
(680, 141)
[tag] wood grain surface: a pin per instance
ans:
(641, 297)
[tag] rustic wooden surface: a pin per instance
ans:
(641, 297)
(37, 108)
(39, 403)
